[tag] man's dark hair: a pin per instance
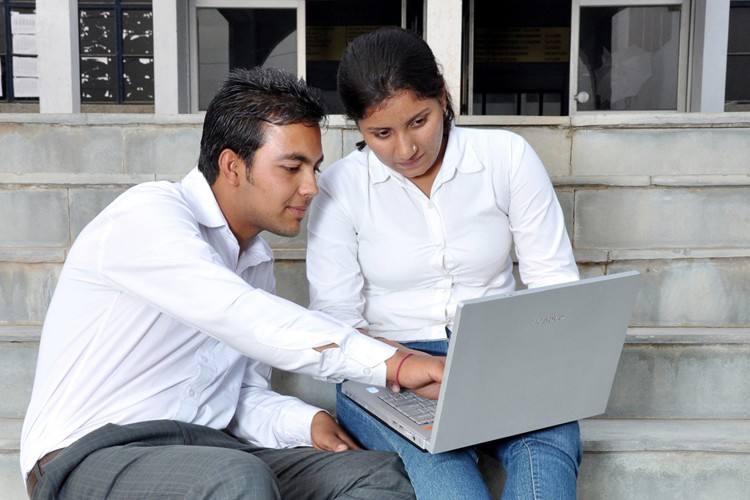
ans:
(247, 101)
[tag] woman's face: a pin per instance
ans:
(406, 133)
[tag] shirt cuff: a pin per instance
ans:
(298, 425)
(370, 353)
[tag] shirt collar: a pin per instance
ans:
(201, 199)
(459, 156)
(207, 212)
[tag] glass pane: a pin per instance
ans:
(98, 79)
(242, 38)
(97, 32)
(516, 52)
(628, 58)
(138, 78)
(332, 24)
(739, 29)
(3, 88)
(530, 105)
(738, 78)
(2, 32)
(137, 32)
(552, 104)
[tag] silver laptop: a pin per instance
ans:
(517, 362)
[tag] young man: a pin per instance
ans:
(153, 371)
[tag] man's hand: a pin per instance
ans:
(327, 435)
(421, 372)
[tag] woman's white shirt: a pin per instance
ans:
(383, 256)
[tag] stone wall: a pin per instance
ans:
(666, 195)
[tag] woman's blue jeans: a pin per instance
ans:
(539, 465)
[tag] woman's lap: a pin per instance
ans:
(537, 463)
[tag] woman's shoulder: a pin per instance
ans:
(350, 170)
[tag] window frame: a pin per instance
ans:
(194, 5)
(682, 71)
(6, 76)
(119, 56)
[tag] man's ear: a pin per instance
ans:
(231, 167)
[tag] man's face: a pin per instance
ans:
(276, 191)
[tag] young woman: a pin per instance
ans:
(422, 215)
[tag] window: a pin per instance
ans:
(737, 94)
(228, 37)
(516, 57)
(304, 37)
(116, 49)
(332, 24)
(629, 58)
(18, 69)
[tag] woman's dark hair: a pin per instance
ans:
(247, 101)
(378, 65)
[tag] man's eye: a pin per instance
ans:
(383, 134)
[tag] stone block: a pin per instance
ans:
(315, 392)
(17, 365)
(660, 151)
(153, 149)
(34, 218)
(333, 145)
(691, 292)
(567, 203)
(551, 144)
(291, 281)
(664, 475)
(350, 138)
(40, 147)
(11, 483)
(25, 291)
(682, 381)
(662, 218)
(85, 204)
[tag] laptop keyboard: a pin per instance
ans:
(419, 409)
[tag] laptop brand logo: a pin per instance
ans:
(548, 319)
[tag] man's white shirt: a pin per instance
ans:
(157, 315)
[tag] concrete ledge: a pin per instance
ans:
(626, 435)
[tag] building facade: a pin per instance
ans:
(637, 109)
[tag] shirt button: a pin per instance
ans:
(191, 393)
(367, 371)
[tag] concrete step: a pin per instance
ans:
(694, 373)
(12, 486)
(624, 459)
(631, 459)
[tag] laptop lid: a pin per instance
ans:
(523, 361)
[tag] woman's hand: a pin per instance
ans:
(327, 435)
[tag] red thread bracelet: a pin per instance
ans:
(398, 368)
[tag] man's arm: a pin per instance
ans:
(410, 369)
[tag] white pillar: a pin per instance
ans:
(443, 35)
(710, 39)
(171, 62)
(58, 59)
